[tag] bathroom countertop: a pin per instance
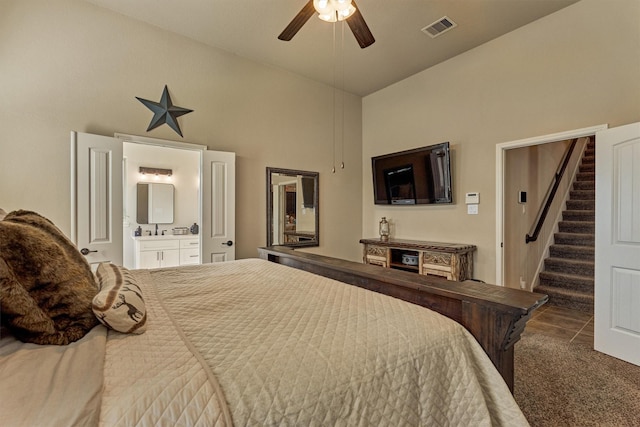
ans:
(167, 236)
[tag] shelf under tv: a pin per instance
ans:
(451, 260)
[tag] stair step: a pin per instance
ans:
(584, 185)
(574, 239)
(582, 194)
(587, 167)
(586, 176)
(572, 282)
(569, 266)
(588, 227)
(568, 278)
(575, 205)
(567, 299)
(579, 215)
(585, 253)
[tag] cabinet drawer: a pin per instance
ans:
(189, 243)
(377, 251)
(150, 245)
(437, 258)
(377, 260)
(189, 256)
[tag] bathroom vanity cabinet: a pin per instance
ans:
(166, 251)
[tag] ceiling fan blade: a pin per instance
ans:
(359, 28)
(298, 21)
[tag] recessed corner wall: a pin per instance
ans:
(576, 68)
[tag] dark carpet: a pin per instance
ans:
(562, 384)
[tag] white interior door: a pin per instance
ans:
(617, 258)
(218, 206)
(96, 197)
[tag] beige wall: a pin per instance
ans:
(576, 68)
(69, 65)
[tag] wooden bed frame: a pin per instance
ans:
(495, 315)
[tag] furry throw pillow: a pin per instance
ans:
(46, 285)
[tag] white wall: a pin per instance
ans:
(70, 65)
(576, 68)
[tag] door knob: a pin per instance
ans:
(85, 251)
(229, 243)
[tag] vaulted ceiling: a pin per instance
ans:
(331, 55)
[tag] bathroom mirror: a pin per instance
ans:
(292, 208)
(155, 203)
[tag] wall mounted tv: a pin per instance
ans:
(413, 177)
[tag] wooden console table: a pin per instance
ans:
(495, 315)
(451, 260)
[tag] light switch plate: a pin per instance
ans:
(472, 198)
(472, 209)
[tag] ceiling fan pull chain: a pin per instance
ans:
(342, 94)
(333, 169)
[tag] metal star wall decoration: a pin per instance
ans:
(164, 112)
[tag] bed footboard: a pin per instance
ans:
(495, 315)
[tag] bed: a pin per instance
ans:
(495, 315)
(252, 342)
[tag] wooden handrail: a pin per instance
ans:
(542, 214)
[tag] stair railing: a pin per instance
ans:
(551, 193)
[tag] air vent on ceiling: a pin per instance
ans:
(440, 26)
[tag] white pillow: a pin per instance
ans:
(119, 304)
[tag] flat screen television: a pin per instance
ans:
(413, 177)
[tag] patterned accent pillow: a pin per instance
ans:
(119, 304)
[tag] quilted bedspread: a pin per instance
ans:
(253, 343)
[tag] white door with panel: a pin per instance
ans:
(617, 259)
(218, 206)
(96, 197)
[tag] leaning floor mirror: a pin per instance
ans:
(292, 208)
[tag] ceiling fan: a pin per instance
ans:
(332, 11)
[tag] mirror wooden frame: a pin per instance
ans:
(315, 241)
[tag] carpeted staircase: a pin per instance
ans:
(568, 272)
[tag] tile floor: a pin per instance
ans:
(570, 325)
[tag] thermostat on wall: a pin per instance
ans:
(472, 198)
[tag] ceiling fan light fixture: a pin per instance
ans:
(346, 13)
(328, 17)
(333, 10)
